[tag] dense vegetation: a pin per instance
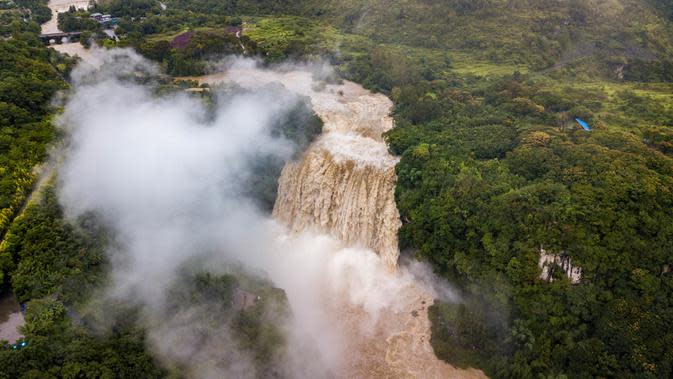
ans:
(39, 12)
(52, 266)
(188, 58)
(237, 7)
(505, 173)
(493, 167)
(75, 21)
(254, 325)
(29, 77)
(45, 255)
(57, 348)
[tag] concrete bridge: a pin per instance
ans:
(59, 37)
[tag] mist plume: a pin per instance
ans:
(167, 177)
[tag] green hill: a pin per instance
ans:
(541, 34)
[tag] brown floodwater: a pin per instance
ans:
(70, 48)
(11, 317)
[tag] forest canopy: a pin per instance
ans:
(494, 172)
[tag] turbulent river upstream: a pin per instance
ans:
(70, 48)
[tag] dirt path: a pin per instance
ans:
(44, 173)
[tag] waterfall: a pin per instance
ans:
(343, 185)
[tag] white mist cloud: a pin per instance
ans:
(166, 178)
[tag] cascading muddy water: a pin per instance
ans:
(350, 201)
(343, 185)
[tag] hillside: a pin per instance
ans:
(549, 34)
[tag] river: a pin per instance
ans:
(70, 48)
(343, 185)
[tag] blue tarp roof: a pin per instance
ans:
(583, 124)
